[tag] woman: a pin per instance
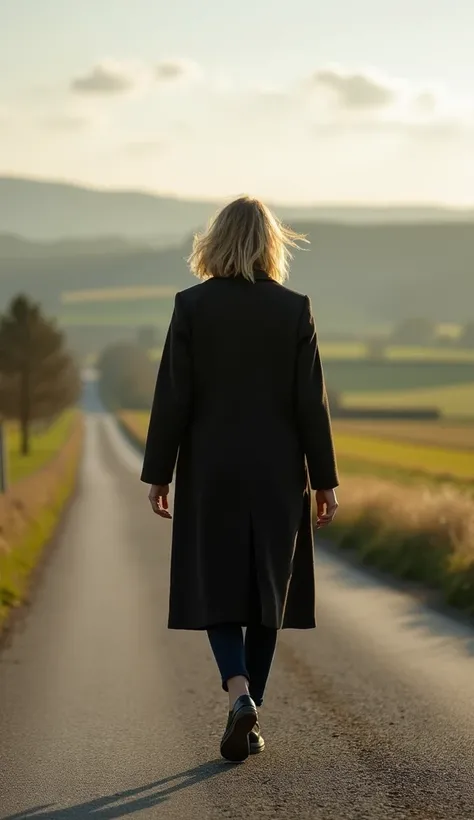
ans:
(240, 395)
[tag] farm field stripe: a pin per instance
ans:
(429, 459)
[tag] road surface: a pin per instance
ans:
(104, 713)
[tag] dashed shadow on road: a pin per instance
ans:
(121, 804)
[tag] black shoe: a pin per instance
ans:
(242, 719)
(256, 741)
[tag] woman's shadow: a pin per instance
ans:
(129, 801)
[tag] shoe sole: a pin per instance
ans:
(256, 748)
(235, 745)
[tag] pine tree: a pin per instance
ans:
(38, 377)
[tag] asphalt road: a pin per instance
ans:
(104, 713)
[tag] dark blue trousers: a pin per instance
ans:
(250, 656)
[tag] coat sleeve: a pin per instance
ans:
(313, 416)
(172, 400)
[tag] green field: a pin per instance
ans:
(375, 452)
(459, 436)
(44, 445)
(432, 460)
(149, 312)
(117, 306)
(138, 304)
(430, 354)
(360, 375)
(445, 385)
(396, 353)
(453, 401)
(439, 378)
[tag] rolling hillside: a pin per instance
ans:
(359, 276)
(365, 267)
(48, 210)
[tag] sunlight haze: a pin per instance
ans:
(298, 103)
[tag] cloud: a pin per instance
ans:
(340, 101)
(354, 90)
(171, 71)
(107, 77)
(117, 78)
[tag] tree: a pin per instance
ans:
(466, 338)
(416, 331)
(126, 377)
(146, 337)
(376, 349)
(38, 377)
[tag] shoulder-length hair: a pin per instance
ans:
(244, 237)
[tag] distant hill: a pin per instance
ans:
(16, 247)
(358, 276)
(50, 211)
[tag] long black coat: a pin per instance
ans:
(240, 394)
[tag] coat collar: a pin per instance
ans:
(261, 275)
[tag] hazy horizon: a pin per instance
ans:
(322, 204)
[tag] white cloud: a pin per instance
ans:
(172, 71)
(340, 100)
(114, 78)
(354, 90)
(110, 77)
(343, 132)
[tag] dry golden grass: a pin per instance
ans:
(45, 443)
(135, 424)
(416, 532)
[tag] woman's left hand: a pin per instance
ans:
(158, 498)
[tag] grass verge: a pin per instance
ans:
(134, 424)
(420, 534)
(29, 515)
(44, 445)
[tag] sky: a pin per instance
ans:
(367, 102)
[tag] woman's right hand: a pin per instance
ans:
(327, 505)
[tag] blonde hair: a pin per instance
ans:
(244, 237)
